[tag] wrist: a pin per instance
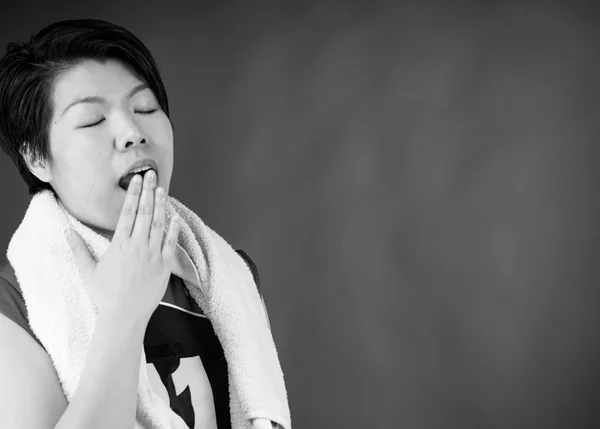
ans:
(121, 320)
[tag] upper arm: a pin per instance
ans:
(30, 392)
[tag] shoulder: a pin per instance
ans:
(30, 392)
(12, 304)
(10, 291)
(30, 385)
(251, 265)
(7, 273)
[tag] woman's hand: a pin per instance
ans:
(130, 279)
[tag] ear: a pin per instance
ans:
(39, 168)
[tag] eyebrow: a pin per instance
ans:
(96, 99)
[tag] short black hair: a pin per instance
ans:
(29, 70)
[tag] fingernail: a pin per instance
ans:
(151, 175)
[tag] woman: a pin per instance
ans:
(85, 118)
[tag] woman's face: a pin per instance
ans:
(105, 119)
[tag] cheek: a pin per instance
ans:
(163, 133)
(86, 174)
(163, 137)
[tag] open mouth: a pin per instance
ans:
(126, 180)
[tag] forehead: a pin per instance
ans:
(110, 79)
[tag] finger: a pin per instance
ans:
(143, 219)
(129, 210)
(168, 250)
(83, 257)
(157, 230)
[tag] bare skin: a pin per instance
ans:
(92, 145)
(126, 283)
(136, 269)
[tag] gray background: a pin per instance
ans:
(416, 181)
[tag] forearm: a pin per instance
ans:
(107, 392)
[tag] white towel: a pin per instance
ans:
(62, 315)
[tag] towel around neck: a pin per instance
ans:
(62, 315)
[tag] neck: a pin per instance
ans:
(103, 232)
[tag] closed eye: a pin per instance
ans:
(142, 112)
(94, 124)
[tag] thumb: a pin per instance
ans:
(81, 253)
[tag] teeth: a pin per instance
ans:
(137, 170)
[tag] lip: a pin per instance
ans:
(141, 163)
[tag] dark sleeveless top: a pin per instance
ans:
(176, 330)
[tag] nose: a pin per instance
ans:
(132, 138)
(129, 134)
